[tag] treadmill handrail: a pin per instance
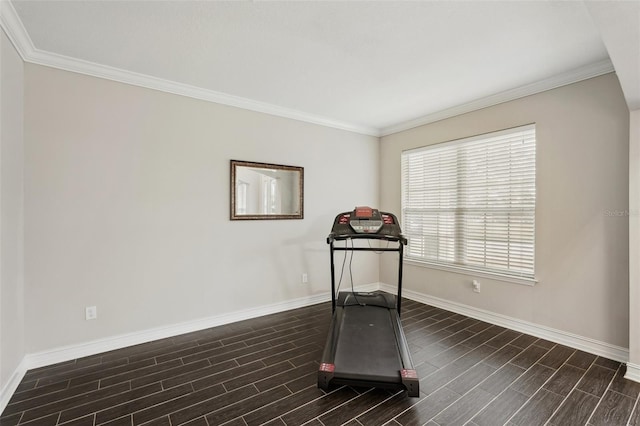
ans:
(385, 237)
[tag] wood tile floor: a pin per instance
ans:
(263, 371)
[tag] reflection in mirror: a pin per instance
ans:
(266, 191)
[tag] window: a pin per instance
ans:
(470, 203)
(241, 197)
(269, 195)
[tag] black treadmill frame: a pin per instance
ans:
(326, 373)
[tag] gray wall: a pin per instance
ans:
(582, 257)
(12, 348)
(127, 208)
(634, 243)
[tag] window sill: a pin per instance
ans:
(473, 272)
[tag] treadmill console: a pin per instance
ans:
(366, 221)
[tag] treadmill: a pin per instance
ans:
(366, 345)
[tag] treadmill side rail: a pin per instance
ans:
(408, 374)
(403, 345)
(327, 366)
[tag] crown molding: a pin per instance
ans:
(583, 73)
(149, 82)
(15, 31)
(12, 25)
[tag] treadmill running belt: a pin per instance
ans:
(367, 346)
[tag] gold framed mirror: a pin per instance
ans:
(266, 191)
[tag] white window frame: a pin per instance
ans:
(241, 197)
(468, 205)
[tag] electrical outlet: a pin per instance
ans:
(476, 286)
(305, 278)
(91, 312)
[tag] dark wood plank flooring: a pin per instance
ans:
(263, 371)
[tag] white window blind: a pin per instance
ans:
(471, 203)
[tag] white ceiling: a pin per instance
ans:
(368, 66)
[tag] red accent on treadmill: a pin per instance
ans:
(408, 374)
(329, 368)
(344, 219)
(387, 219)
(364, 212)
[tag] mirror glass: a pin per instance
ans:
(266, 191)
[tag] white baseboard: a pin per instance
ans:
(8, 390)
(70, 352)
(633, 372)
(575, 341)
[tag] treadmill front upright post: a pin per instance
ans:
(333, 278)
(400, 261)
